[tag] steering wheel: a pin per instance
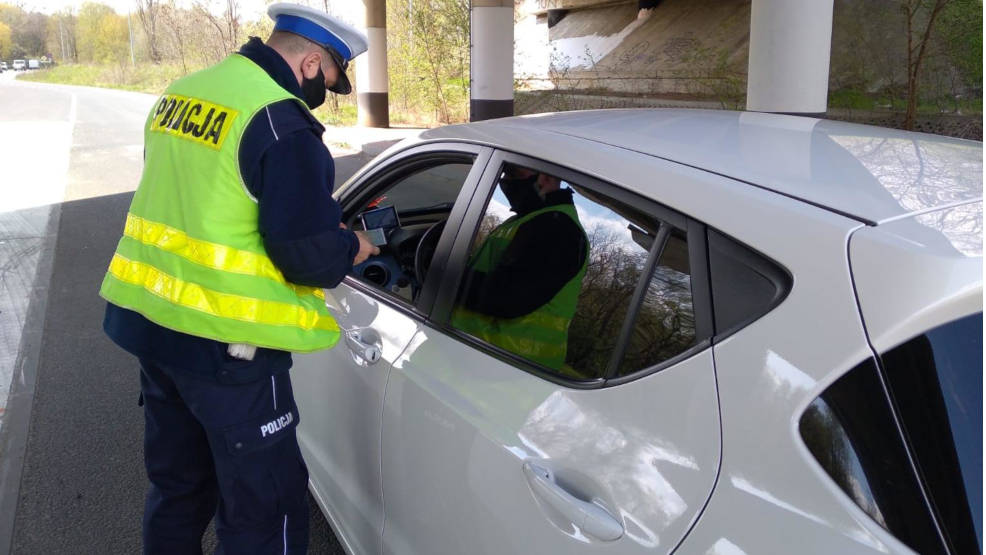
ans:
(426, 249)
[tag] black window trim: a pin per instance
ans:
(383, 173)
(766, 266)
(441, 310)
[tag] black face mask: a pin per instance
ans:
(313, 90)
(522, 194)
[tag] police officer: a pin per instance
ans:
(216, 280)
(523, 282)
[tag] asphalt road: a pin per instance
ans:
(71, 471)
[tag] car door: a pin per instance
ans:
(614, 450)
(340, 391)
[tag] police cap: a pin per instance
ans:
(343, 41)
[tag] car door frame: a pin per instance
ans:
(454, 272)
(377, 177)
(458, 255)
(383, 173)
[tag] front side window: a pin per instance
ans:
(405, 218)
(555, 270)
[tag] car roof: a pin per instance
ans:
(871, 174)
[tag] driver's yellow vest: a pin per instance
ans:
(191, 257)
(542, 335)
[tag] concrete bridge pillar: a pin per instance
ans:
(371, 70)
(492, 60)
(790, 46)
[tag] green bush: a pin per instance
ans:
(342, 115)
(851, 99)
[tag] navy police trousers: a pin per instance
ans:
(222, 450)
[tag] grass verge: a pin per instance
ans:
(147, 78)
(155, 78)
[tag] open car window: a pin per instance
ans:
(404, 216)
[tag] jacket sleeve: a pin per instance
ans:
(299, 219)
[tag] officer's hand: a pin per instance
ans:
(366, 248)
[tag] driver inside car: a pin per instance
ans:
(523, 282)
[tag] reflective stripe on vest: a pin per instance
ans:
(542, 335)
(213, 255)
(192, 295)
(191, 257)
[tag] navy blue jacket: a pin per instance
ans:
(287, 168)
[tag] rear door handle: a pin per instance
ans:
(369, 352)
(591, 518)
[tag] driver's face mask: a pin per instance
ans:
(522, 193)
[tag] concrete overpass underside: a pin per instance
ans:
(681, 48)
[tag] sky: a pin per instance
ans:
(251, 9)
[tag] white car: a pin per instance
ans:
(20, 65)
(776, 344)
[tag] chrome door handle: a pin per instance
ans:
(591, 518)
(366, 351)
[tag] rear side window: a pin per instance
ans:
(905, 441)
(665, 322)
(851, 432)
(936, 382)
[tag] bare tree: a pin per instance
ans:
(147, 11)
(917, 47)
(227, 26)
(174, 19)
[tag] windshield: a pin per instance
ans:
(936, 380)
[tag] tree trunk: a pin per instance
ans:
(914, 59)
(147, 11)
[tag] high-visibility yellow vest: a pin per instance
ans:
(191, 257)
(542, 335)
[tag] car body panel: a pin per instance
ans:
(342, 401)
(459, 425)
(870, 173)
(768, 372)
(935, 264)
(828, 201)
(771, 494)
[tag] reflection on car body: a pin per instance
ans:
(701, 382)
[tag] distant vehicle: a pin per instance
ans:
(3, 66)
(20, 65)
(33, 64)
